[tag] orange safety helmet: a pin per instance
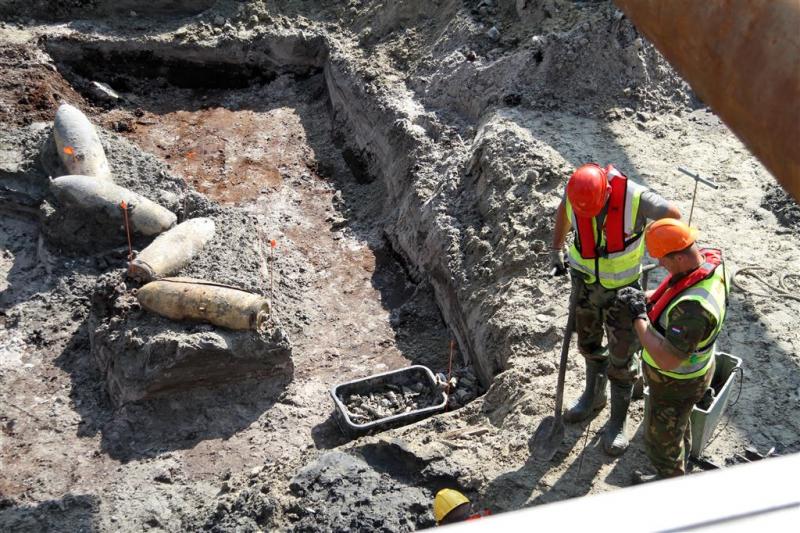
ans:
(587, 190)
(668, 235)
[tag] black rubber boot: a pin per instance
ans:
(638, 388)
(594, 397)
(615, 442)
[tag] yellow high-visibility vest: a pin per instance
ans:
(712, 294)
(617, 269)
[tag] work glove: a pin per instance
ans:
(634, 300)
(557, 264)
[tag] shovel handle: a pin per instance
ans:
(562, 365)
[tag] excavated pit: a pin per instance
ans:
(258, 139)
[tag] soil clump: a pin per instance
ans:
(389, 400)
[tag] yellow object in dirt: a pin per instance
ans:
(89, 193)
(78, 144)
(172, 250)
(445, 501)
(206, 301)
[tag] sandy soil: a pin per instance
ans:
(414, 213)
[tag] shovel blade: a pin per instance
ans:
(548, 438)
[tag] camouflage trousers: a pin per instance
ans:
(668, 433)
(596, 313)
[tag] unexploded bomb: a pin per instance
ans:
(172, 250)
(78, 144)
(206, 301)
(145, 216)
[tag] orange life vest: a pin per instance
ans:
(665, 293)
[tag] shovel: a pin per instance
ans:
(550, 433)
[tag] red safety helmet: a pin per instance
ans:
(587, 190)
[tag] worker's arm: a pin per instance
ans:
(673, 212)
(557, 259)
(688, 323)
(652, 206)
(562, 225)
(667, 356)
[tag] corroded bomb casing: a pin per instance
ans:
(196, 299)
(171, 250)
(78, 144)
(86, 192)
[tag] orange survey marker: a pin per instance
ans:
(263, 269)
(450, 363)
(269, 265)
(449, 371)
(272, 245)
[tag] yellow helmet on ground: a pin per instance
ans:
(446, 500)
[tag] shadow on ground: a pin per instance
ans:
(74, 513)
(148, 428)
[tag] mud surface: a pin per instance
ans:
(386, 175)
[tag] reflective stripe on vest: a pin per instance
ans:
(669, 289)
(619, 268)
(711, 293)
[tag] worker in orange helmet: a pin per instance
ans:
(607, 212)
(678, 327)
(450, 506)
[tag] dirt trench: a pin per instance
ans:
(260, 142)
(377, 145)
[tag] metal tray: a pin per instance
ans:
(417, 373)
(704, 421)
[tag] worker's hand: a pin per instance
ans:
(557, 264)
(633, 299)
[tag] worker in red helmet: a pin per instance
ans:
(607, 212)
(678, 327)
